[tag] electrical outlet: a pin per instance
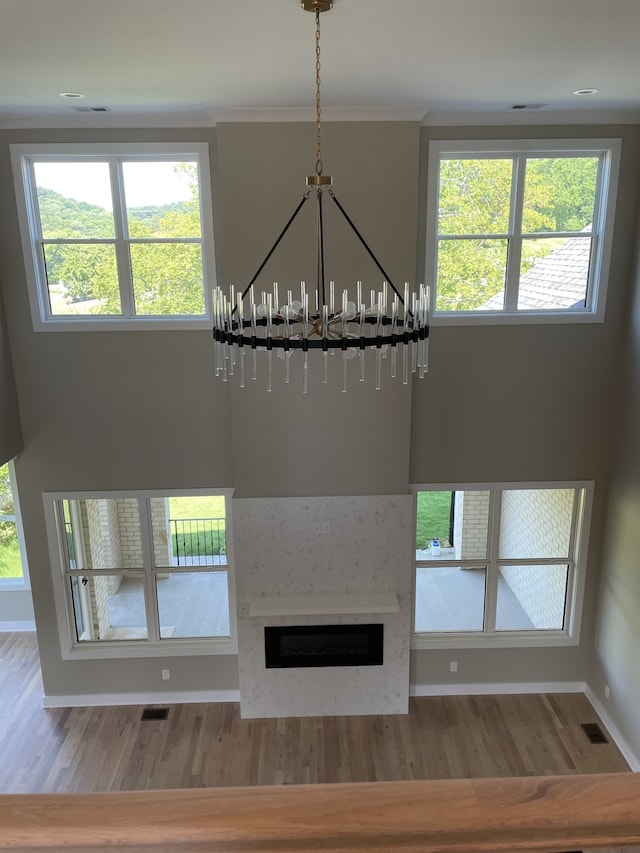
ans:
(453, 666)
(325, 527)
(607, 692)
(166, 674)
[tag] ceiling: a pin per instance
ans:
(202, 61)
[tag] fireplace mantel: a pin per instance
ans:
(312, 605)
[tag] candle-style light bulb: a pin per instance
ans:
(325, 331)
(405, 365)
(253, 347)
(242, 355)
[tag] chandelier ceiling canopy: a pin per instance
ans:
(317, 319)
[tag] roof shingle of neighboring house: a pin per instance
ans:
(555, 282)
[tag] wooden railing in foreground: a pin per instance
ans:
(458, 816)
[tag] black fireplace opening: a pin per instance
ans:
(323, 645)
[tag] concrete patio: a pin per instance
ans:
(190, 604)
(449, 598)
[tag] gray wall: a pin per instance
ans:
(108, 410)
(143, 410)
(330, 443)
(614, 658)
(528, 403)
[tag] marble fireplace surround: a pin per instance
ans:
(323, 561)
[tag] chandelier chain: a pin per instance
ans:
(318, 124)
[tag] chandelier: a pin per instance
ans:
(318, 319)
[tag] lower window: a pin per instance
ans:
(144, 569)
(13, 561)
(502, 565)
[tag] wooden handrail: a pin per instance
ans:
(552, 813)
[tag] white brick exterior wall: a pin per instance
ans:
(470, 524)
(537, 523)
(159, 522)
(540, 591)
(111, 533)
(82, 509)
(129, 529)
(103, 551)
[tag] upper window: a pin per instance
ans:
(520, 229)
(116, 233)
(500, 564)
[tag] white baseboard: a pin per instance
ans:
(629, 755)
(91, 700)
(505, 688)
(11, 627)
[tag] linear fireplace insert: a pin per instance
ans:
(323, 645)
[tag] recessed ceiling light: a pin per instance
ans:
(586, 91)
(71, 95)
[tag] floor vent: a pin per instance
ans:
(594, 733)
(154, 714)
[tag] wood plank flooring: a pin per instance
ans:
(208, 745)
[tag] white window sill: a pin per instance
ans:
(7, 584)
(102, 650)
(524, 318)
(503, 640)
(121, 324)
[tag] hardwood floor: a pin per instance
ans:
(208, 745)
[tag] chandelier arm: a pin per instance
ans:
(320, 283)
(273, 248)
(370, 251)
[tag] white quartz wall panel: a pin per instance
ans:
(323, 546)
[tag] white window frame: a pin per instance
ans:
(72, 649)
(23, 582)
(570, 634)
(606, 192)
(23, 157)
